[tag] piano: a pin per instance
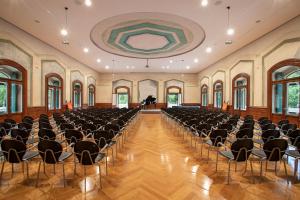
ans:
(146, 103)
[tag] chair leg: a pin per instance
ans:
(2, 169)
(252, 171)
(106, 165)
(285, 170)
(100, 176)
(261, 169)
(27, 169)
(38, 175)
(217, 161)
(64, 176)
(84, 174)
(12, 169)
(228, 172)
(295, 169)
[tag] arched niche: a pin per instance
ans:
(175, 84)
(147, 87)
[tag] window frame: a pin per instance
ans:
(247, 86)
(180, 98)
(81, 92)
(9, 82)
(284, 82)
(128, 93)
(202, 87)
(216, 90)
(47, 77)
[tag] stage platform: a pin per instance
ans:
(151, 111)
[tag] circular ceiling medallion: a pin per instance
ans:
(147, 35)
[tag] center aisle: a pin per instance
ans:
(155, 165)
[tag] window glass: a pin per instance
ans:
(277, 98)
(16, 98)
(122, 100)
(10, 73)
(293, 98)
(286, 72)
(3, 97)
(51, 98)
(173, 100)
(54, 81)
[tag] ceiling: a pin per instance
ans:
(250, 18)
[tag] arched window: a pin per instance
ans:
(54, 89)
(77, 94)
(91, 96)
(218, 94)
(12, 87)
(204, 95)
(284, 85)
(241, 91)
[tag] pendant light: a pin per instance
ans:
(230, 31)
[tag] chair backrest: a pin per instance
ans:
(226, 126)
(262, 119)
(6, 126)
(66, 126)
(50, 151)
(294, 136)
(13, 150)
(268, 127)
(244, 133)
(218, 136)
(86, 152)
(288, 127)
(247, 126)
(282, 122)
(270, 134)
(241, 149)
(102, 137)
(46, 134)
(27, 120)
(45, 125)
(10, 121)
(25, 126)
(20, 134)
(275, 149)
(73, 136)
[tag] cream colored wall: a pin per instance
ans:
(40, 52)
(191, 89)
(255, 59)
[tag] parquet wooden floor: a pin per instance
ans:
(153, 164)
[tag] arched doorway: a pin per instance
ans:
(123, 96)
(173, 96)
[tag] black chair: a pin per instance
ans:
(282, 122)
(267, 135)
(88, 153)
(5, 126)
(73, 136)
(286, 128)
(20, 134)
(51, 152)
(240, 151)
(268, 127)
(15, 151)
(108, 141)
(294, 153)
(217, 139)
(10, 121)
(273, 151)
(242, 133)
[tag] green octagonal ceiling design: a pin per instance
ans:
(147, 35)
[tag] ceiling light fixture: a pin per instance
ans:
(98, 60)
(204, 3)
(106, 67)
(64, 30)
(88, 3)
(163, 67)
(85, 50)
(208, 50)
(127, 67)
(147, 65)
(188, 67)
(168, 67)
(230, 30)
(171, 61)
(196, 60)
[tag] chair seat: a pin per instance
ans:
(293, 153)
(259, 153)
(32, 140)
(209, 142)
(30, 154)
(112, 143)
(100, 157)
(64, 155)
(231, 140)
(227, 154)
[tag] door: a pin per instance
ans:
(122, 100)
(173, 100)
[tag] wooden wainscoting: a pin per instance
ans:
(103, 105)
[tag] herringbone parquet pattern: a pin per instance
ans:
(153, 164)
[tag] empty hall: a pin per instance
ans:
(149, 100)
